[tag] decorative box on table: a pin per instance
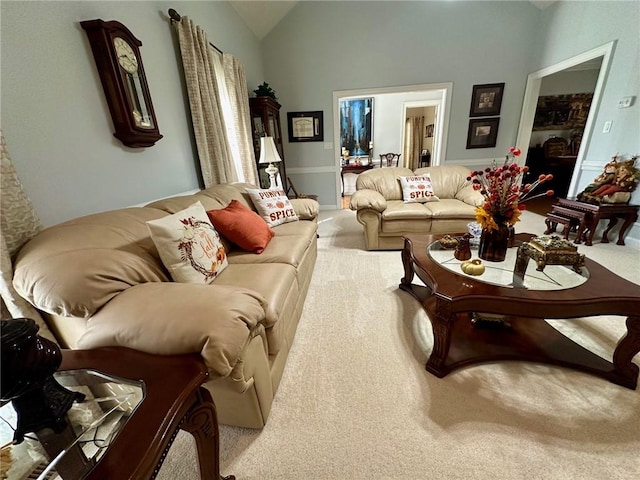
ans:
(546, 250)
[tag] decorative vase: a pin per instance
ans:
(494, 243)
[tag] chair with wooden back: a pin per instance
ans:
(389, 159)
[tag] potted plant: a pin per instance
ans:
(265, 90)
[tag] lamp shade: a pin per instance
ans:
(268, 151)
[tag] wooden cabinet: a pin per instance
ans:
(265, 121)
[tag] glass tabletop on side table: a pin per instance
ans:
(92, 426)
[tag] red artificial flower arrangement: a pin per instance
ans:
(503, 192)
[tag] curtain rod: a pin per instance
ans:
(175, 17)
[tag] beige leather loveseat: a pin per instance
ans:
(102, 281)
(379, 204)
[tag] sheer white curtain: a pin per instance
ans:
(18, 224)
(219, 108)
(236, 83)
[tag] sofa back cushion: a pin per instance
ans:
(384, 181)
(74, 268)
(447, 180)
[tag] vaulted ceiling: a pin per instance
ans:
(262, 17)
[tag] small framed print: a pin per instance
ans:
(305, 126)
(483, 132)
(486, 100)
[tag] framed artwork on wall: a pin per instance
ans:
(356, 120)
(483, 132)
(305, 126)
(486, 100)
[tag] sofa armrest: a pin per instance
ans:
(368, 199)
(168, 318)
(470, 196)
(305, 208)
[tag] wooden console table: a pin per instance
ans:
(351, 168)
(594, 213)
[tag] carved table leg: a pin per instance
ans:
(626, 349)
(605, 234)
(442, 326)
(591, 230)
(407, 263)
(580, 232)
(551, 226)
(629, 219)
(202, 422)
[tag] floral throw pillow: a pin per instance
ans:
(418, 189)
(189, 246)
(273, 206)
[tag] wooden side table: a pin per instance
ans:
(173, 399)
(597, 212)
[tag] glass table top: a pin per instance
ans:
(553, 277)
(93, 424)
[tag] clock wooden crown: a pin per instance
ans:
(121, 71)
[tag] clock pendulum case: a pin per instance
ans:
(117, 55)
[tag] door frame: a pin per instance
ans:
(532, 92)
(446, 89)
(435, 153)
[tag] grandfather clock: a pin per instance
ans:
(265, 121)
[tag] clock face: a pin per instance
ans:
(126, 56)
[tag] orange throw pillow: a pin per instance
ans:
(242, 226)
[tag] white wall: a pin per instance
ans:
(55, 118)
(322, 47)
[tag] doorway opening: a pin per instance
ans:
(543, 129)
(389, 113)
(421, 123)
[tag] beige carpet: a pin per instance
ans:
(356, 402)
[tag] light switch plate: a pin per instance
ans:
(607, 127)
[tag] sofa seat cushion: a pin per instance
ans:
(307, 229)
(285, 249)
(398, 210)
(176, 318)
(450, 208)
(51, 271)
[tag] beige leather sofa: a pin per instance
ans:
(386, 218)
(102, 282)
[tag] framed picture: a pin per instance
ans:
(483, 132)
(305, 126)
(486, 100)
(429, 130)
(356, 120)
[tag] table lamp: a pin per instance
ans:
(269, 154)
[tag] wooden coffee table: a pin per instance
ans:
(513, 327)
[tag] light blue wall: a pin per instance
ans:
(55, 118)
(321, 47)
(58, 128)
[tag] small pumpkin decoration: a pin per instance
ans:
(472, 267)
